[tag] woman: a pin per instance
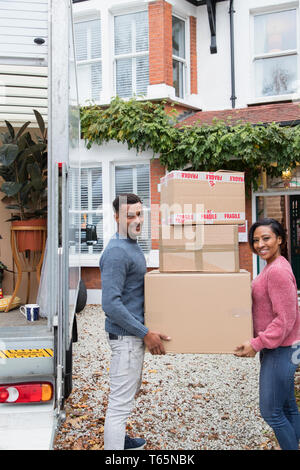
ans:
(276, 321)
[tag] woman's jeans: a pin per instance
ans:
(278, 405)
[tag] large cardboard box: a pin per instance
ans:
(203, 197)
(202, 313)
(208, 248)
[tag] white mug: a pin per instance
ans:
(30, 311)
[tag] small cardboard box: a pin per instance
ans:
(203, 197)
(208, 248)
(202, 313)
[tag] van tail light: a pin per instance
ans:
(30, 392)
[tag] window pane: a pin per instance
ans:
(141, 21)
(97, 220)
(88, 39)
(276, 76)
(123, 34)
(142, 75)
(88, 46)
(178, 37)
(95, 39)
(124, 77)
(136, 179)
(275, 32)
(89, 81)
(124, 179)
(178, 70)
(96, 189)
(143, 184)
(131, 33)
(80, 31)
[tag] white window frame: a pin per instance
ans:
(254, 57)
(185, 61)
(132, 55)
(82, 63)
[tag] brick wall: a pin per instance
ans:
(193, 54)
(160, 43)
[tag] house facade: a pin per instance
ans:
(212, 59)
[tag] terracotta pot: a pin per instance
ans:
(29, 239)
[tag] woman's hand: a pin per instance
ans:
(245, 350)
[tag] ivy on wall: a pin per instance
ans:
(145, 125)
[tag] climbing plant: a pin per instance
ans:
(145, 125)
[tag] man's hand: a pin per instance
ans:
(153, 341)
(245, 350)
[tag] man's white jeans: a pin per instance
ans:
(126, 368)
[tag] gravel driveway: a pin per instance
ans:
(188, 401)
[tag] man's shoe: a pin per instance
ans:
(134, 443)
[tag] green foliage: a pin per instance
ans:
(23, 166)
(144, 125)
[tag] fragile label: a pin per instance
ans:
(211, 177)
(204, 217)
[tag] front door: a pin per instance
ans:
(295, 236)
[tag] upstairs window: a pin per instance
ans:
(131, 54)
(89, 59)
(275, 53)
(179, 56)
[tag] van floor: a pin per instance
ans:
(14, 324)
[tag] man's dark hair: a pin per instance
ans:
(275, 226)
(128, 198)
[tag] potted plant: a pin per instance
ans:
(23, 167)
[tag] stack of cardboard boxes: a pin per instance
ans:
(199, 296)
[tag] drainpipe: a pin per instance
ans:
(233, 97)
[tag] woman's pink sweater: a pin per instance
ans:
(276, 316)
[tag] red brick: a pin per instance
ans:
(193, 54)
(160, 43)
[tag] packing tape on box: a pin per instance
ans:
(211, 178)
(206, 217)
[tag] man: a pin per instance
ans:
(123, 267)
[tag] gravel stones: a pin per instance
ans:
(186, 402)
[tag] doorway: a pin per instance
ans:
(286, 209)
(295, 236)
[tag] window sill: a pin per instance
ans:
(92, 261)
(273, 99)
(159, 92)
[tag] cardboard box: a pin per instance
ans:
(208, 248)
(203, 197)
(202, 313)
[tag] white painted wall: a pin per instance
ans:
(214, 73)
(23, 63)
